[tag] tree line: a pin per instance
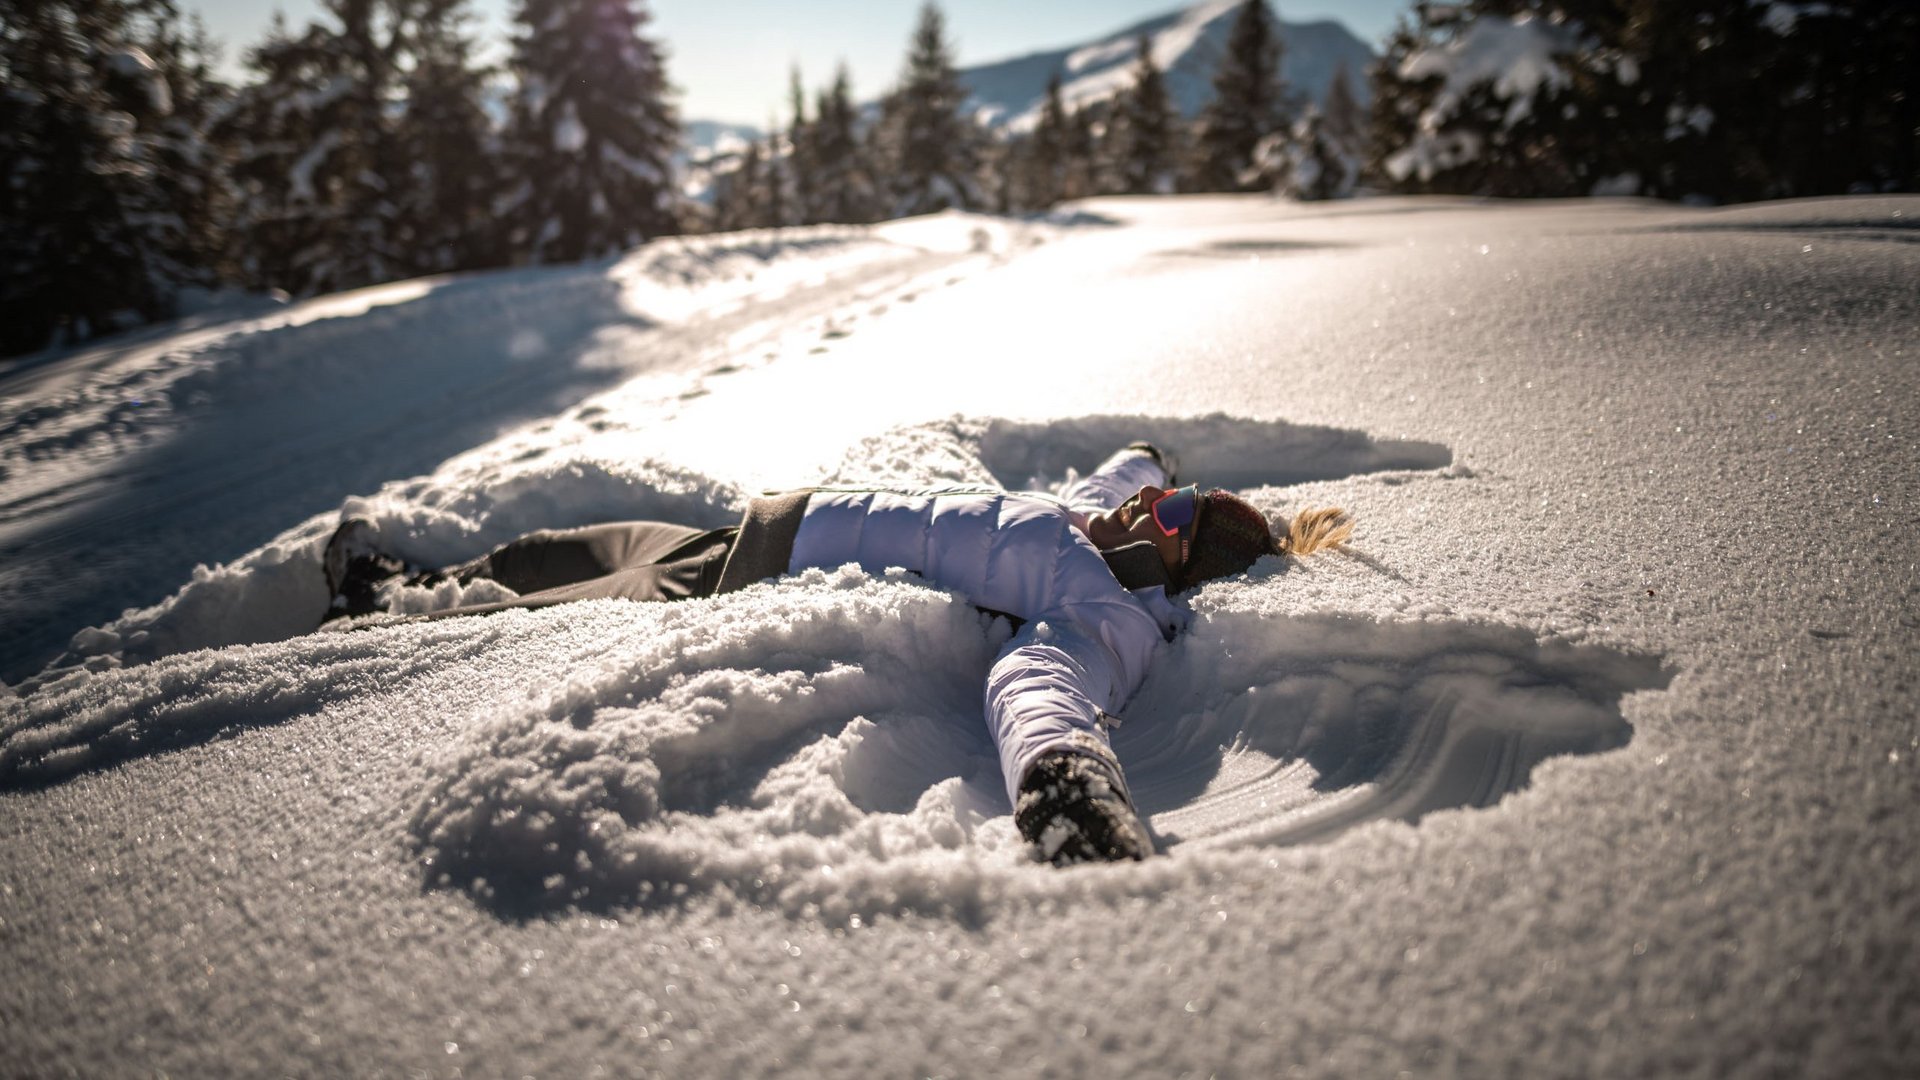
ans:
(917, 152)
(372, 144)
(1699, 100)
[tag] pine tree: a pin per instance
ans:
(740, 195)
(316, 154)
(777, 182)
(1673, 98)
(81, 250)
(802, 166)
(843, 178)
(932, 153)
(446, 191)
(591, 132)
(269, 130)
(188, 224)
(1144, 130)
(1321, 156)
(1077, 156)
(1247, 102)
(1399, 101)
(1345, 122)
(1041, 160)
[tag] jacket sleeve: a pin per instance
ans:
(1055, 683)
(1118, 477)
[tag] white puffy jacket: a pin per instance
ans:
(1086, 642)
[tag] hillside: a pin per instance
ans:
(1594, 755)
(1187, 44)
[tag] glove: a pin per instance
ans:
(1073, 809)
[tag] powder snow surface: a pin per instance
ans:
(1593, 756)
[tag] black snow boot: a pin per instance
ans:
(1074, 809)
(355, 568)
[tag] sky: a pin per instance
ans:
(731, 60)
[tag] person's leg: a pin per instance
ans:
(553, 558)
(355, 569)
(687, 570)
(635, 560)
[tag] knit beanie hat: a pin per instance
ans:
(1229, 536)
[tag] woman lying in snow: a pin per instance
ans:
(1084, 576)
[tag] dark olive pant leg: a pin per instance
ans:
(552, 558)
(628, 560)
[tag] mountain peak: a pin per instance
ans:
(1186, 44)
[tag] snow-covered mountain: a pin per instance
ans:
(1187, 44)
(704, 138)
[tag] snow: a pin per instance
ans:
(310, 102)
(328, 395)
(132, 63)
(1591, 750)
(1618, 185)
(300, 173)
(569, 134)
(1684, 122)
(1186, 44)
(1515, 57)
(1784, 18)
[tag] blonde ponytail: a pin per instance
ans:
(1313, 530)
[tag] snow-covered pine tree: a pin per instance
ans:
(189, 221)
(1346, 122)
(1321, 156)
(1399, 99)
(80, 253)
(1248, 103)
(591, 132)
(1143, 131)
(1673, 98)
(778, 182)
(315, 152)
(739, 200)
(802, 166)
(1040, 161)
(1078, 149)
(267, 130)
(931, 153)
(1767, 100)
(843, 178)
(445, 192)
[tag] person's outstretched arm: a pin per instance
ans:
(1118, 477)
(1047, 702)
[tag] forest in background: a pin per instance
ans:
(373, 145)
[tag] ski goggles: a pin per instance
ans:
(1175, 513)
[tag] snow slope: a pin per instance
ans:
(122, 468)
(1627, 631)
(1187, 45)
